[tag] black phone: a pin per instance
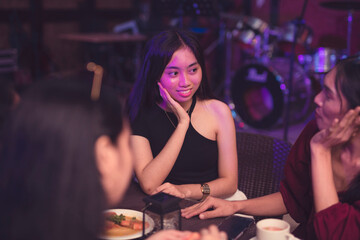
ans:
(235, 226)
(162, 202)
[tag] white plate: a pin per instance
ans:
(131, 213)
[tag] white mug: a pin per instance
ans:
(273, 229)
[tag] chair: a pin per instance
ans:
(261, 160)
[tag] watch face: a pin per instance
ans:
(205, 189)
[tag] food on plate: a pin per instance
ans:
(121, 225)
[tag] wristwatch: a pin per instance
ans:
(205, 189)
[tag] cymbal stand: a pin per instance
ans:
(349, 27)
(228, 75)
(228, 57)
(299, 23)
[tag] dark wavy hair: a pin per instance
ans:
(49, 182)
(347, 81)
(156, 55)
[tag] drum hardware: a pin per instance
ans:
(259, 93)
(228, 57)
(264, 102)
(253, 38)
(248, 30)
(305, 34)
(299, 23)
(260, 37)
(349, 6)
(255, 33)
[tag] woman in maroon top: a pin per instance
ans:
(321, 189)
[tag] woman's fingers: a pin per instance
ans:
(164, 93)
(212, 233)
(195, 209)
(340, 131)
(169, 189)
(220, 208)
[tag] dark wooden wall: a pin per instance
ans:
(34, 26)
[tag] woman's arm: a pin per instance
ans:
(269, 205)
(325, 193)
(227, 182)
(341, 132)
(152, 171)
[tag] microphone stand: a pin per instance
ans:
(299, 23)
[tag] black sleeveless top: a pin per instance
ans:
(198, 158)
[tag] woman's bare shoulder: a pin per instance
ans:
(216, 107)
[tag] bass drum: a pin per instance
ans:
(259, 93)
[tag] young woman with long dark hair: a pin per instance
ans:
(321, 189)
(183, 139)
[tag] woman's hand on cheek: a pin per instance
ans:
(175, 107)
(340, 131)
(170, 189)
(165, 95)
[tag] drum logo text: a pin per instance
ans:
(253, 76)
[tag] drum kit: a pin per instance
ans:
(258, 92)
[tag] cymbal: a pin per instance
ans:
(341, 5)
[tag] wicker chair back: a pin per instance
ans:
(261, 161)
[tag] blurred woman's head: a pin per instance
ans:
(64, 159)
(157, 54)
(341, 92)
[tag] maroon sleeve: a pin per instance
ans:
(339, 221)
(296, 188)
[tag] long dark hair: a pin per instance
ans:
(49, 182)
(156, 55)
(347, 81)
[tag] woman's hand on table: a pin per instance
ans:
(221, 208)
(172, 189)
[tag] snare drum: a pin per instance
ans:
(259, 93)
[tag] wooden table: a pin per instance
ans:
(103, 37)
(99, 45)
(133, 199)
